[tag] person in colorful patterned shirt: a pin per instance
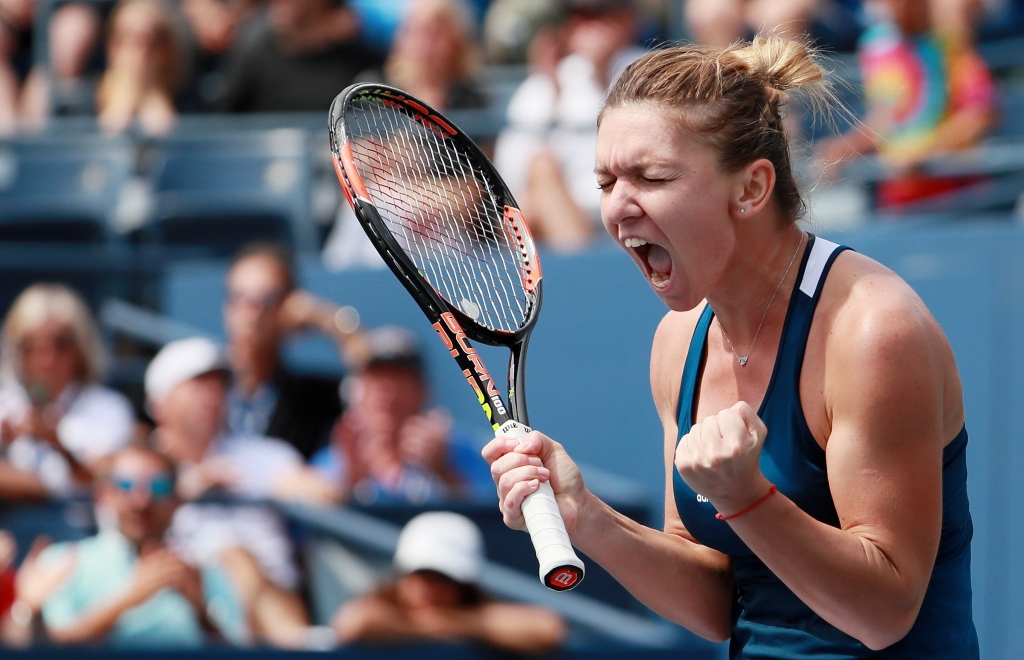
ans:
(927, 92)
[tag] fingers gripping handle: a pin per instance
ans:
(560, 568)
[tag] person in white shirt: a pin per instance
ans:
(186, 387)
(545, 154)
(56, 420)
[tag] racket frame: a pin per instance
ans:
(453, 326)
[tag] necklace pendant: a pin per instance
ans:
(742, 360)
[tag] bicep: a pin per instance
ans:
(884, 452)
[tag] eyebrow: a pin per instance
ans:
(641, 166)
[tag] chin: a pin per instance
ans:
(680, 302)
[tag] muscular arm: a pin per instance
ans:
(886, 380)
(668, 571)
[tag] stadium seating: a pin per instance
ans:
(61, 188)
(218, 191)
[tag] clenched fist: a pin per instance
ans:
(719, 458)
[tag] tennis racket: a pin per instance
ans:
(445, 223)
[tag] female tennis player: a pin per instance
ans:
(816, 502)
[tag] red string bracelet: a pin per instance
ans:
(771, 491)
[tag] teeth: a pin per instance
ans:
(635, 242)
(659, 280)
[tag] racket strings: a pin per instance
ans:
(440, 209)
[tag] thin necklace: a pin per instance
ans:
(742, 359)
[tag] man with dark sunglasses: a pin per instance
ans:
(125, 585)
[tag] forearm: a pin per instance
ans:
(963, 129)
(93, 625)
(19, 485)
(683, 581)
(516, 628)
(370, 621)
(843, 575)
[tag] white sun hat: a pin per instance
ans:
(180, 361)
(441, 541)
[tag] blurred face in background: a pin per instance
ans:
(290, 16)
(912, 16)
(141, 44)
(256, 288)
(140, 490)
(50, 360)
(193, 414)
(422, 589)
(390, 394)
(431, 36)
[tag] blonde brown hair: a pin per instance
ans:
(402, 68)
(732, 98)
(35, 306)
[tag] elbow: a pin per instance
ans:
(883, 633)
(717, 629)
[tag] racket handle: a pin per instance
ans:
(560, 568)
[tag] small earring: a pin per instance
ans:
(743, 210)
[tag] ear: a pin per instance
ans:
(753, 189)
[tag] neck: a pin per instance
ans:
(252, 368)
(752, 276)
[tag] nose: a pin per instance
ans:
(619, 204)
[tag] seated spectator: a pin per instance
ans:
(263, 306)
(295, 56)
(126, 586)
(67, 85)
(722, 22)
(439, 560)
(927, 93)
(186, 385)
(386, 447)
(56, 420)
(144, 69)
(434, 56)
(546, 152)
(510, 27)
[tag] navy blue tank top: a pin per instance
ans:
(769, 621)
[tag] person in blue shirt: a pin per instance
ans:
(815, 443)
(126, 586)
(387, 447)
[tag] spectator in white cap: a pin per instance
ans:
(186, 384)
(439, 561)
(56, 420)
(388, 447)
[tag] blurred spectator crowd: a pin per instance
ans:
(185, 484)
(189, 546)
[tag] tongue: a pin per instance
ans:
(659, 260)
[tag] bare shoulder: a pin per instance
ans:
(668, 354)
(872, 310)
(878, 337)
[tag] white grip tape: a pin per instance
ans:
(547, 530)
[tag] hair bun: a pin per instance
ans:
(783, 64)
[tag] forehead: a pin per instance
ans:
(636, 137)
(258, 271)
(133, 463)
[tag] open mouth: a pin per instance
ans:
(654, 260)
